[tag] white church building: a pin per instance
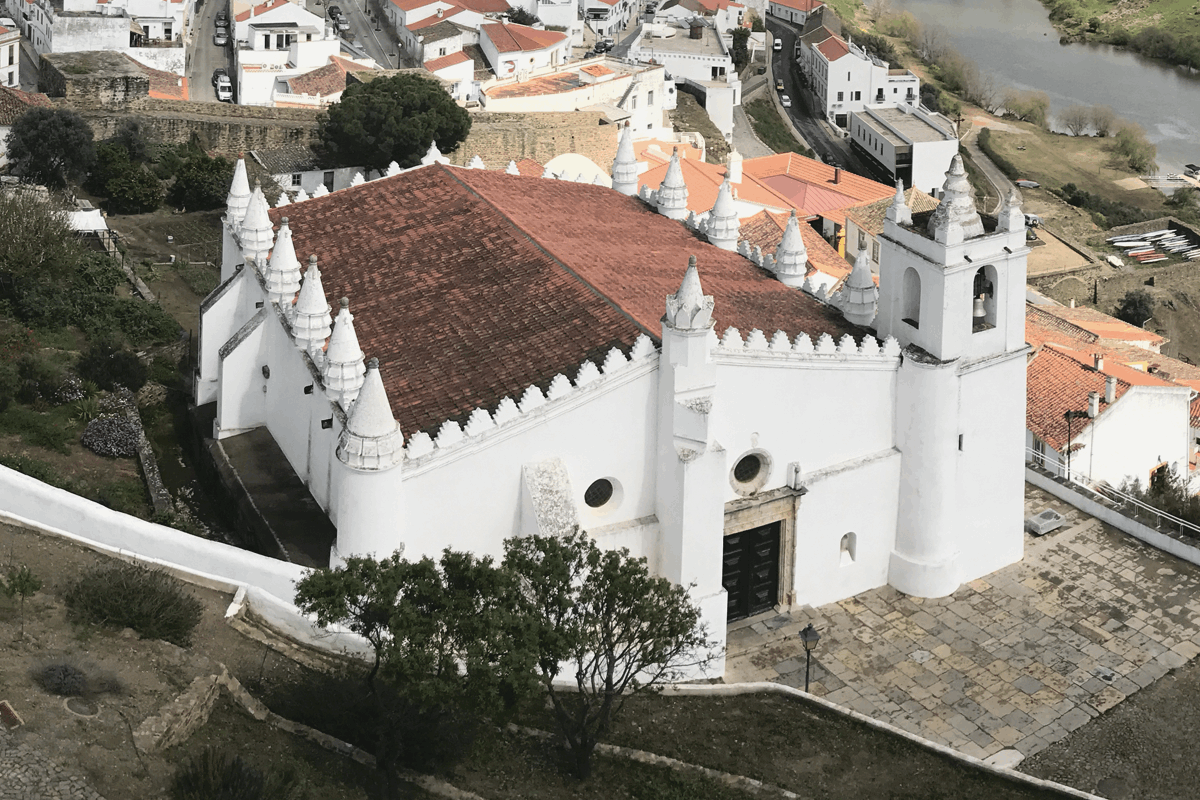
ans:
(451, 356)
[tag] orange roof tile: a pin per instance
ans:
(597, 70)
(435, 64)
(1056, 383)
(485, 6)
(530, 168)
(765, 230)
(261, 8)
(14, 103)
(412, 5)
(870, 216)
(434, 19)
(817, 188)
(511, 38)
(1105, 326)
(326, 80)
(833, 48)
(662, 155)
(704, 180)
(799, 5)
(469, 285)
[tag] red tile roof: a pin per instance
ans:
(817, 188)
(833, 48)
(14, 103)
(704, 180)
(326, 80)
(484, 6)
(469, 285)
(799, 5)
(412, 5)
(765, 230)
(512, 38)
(435, 64)
(1104, 326)
(434, 19)
(597, 70)
(163, 85)
(1057, 382)
(261, 8)
(530, 168)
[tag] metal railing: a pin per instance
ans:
(1127, 504)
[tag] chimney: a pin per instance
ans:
(1093, 404)
(837, 174)
(1110, 389)
(1098, 361)
(439, 13)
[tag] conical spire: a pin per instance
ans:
(624, 168)
(898, 211)
(344, 367)
(791, 257)
(312, 322)
(860, 296)
(733, 170)
(956, 217)
(512, 169)
(256, 235)
(239, 195)
(392, 169)
(476, 163)
(722, 224)
(689, 309)
(434, 156)
(283, 270)
(371, 440)
(1011, 218)
(672, 193)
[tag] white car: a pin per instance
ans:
(224, 89)
(787, 101)
(778, 46)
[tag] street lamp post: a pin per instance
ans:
(809, 637)
(1071, 416)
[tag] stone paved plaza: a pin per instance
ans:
(1018, 659)
(26, 774)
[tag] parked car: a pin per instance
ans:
(778, 46)
(334, 11)
(1025, 183)
(221, 37)
(342, 24)
(1033, 220)
(219, 74)
(224, 89)
(785, 100)
(779, 85)
(222, 18)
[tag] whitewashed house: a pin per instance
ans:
(793, 11)
(518, 50)
(844, 78)
(907, 142)
(521, 367)
(10, 57)
(297, 169)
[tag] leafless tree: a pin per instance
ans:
(1103, 120)
(879, 9)
(1075, 119)
(933, 42)
(1030, 106)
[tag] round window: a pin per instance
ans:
(599, 493)
(750, 472)
(747, 468)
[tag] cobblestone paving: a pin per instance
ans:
(26, 774)
(1018, 659)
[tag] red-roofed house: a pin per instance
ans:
(794, 11)
(318, 87)
(844, 78)
(14, 103)
(1131, 408)
(517, 49)
(704, 179)
(505, 364)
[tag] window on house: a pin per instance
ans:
(441, 51)
(858, 95)
(894, 90)
(266, 41)
(840, 97)
(847, 76)
(167, 31)
(327, 179)
(650, 98)
(12, 54)
(911, 297)
(633, 102)
(875, 252)
(308, 37)
(295, 179)
(862, 240)
(279, 41)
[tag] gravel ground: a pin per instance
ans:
(1144, 749)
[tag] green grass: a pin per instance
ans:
(773, 131)
(200, 279)
(52, 430)
(845, 9)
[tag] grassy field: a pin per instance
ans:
(773, 131)
(1180, 17)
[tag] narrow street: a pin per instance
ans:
(377, 44)
(206, 56)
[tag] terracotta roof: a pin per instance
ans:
(447, 61)
(833, 48)
(520, 38)
(163, 85)
(765, 230)
(4, 30)
(1057, 382)
(1103, 325)
(433, 21)
(597, 70)
(1042, 327)
(530, 168)
(261, 8)
(870, 216)
(326, 80)
(469, 285)
(818, 34)
(643, 152)
(14, 103)
(811, 185)
(412, 5)
(799, 5)
(485, 6)
(565, 80)
(704, 180)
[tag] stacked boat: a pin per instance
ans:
(1154, 246)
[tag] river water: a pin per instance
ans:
(1014, 41)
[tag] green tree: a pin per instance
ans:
(135, 191)
(21, 583)
(51, 146)
(201, 183)
(1135, 307)
(1131, 143)
(391, 119)
(619, 630)
(36, 240)
(740, 52)
(446, 636)
(756, 22)
(521, 17)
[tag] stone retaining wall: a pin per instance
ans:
(180, 718)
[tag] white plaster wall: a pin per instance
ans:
(930, 162)
(312, 179)
(168, 59)
(825, 515)
(506, 64)
(1145, 427)
(775, 405)
(73, 34)
(240, 405)
(471, 501)
(218, 322)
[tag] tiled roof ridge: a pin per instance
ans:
(1048, 320)
(536, 243)
(480, 421)
(1085, 362)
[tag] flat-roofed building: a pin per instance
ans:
(906, 142)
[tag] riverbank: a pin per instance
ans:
(1164, 30)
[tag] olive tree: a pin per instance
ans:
(601, 618)
(51, 146)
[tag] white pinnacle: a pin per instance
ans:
(344, 366)
(689, 308)
(372, 440)
(239, 195)
(256, 235)
(624, 167)
(283, 270)
(312, 321)
(672, 193)
(512, 169)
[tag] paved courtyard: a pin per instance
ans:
(1018, 659)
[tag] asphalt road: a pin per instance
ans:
(206, 56)
(828, 148)
(377, 44)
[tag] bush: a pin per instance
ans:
(134, 191)
(40, 381)
(112, 436)
(1106, 213)
(120, 595)
(218, 775)
(201, 183)
(108, 366)
(1135, 307)
(62, 678)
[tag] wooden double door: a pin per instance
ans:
(751, 570)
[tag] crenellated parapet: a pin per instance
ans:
(824, 350)
(533, 404)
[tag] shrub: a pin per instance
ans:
(201, 183)
(134, 191)
(218, 775)
(153, 603)
(1135, 307)
(144, 323)
(108, 366)
(61, 678)
(112, 436)
(39, 380)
